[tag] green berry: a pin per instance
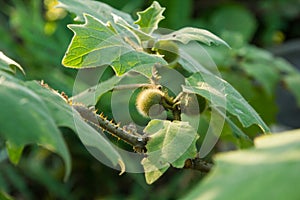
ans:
(148, 102)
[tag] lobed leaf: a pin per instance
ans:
(171, 143)
(142, 36)
(148, 19)
(96, 44)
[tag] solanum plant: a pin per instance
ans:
(109, 37)
(176, 109)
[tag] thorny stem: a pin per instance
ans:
(100, 124)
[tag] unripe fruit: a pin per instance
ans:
(167, 48)
(192, 104)
(148, 102)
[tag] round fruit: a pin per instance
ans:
(148, 102)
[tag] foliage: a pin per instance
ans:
(261, 74)
(45, 31)
(95, 42)
(131, 53)
(267, 171)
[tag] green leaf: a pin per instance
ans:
(138, 61)
(98, 9)
(148, 19)
(25, 119)
(262, 72)
(65, 116)
(292, 82)
(225, 20)
(283, 66)
(9, 65)
(222, 94)
(14, 152)
(185, 35)
(89, 97)
(171, 143)
(254, 95)
(95, 44)
(142, 36)
(5, 196)
(269, 171)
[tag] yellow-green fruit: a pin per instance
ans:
(168, 49)
(148, 102)
(192, 104)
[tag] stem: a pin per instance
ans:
(198, 164)
(132, 86)
(172, 104)
(101, 124)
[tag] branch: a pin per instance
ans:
(198, 164)
(101, 124)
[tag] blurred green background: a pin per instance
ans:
(34, 33)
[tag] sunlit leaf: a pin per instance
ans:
(142, 36)
(96, 44)
(222, 94)
(148, 19)
(171, 143)
(185, 35)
